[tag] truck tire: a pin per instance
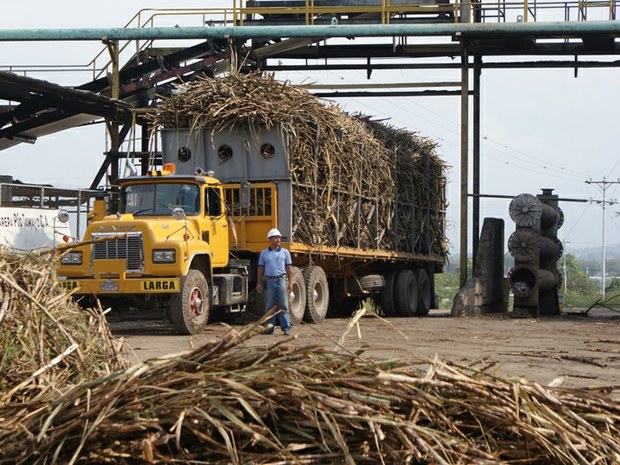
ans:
(425, 292)
(189, 309)
(372, 282)
(386, 298)
(297, 304)
(317, 294)
(406, 293)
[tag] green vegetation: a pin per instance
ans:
(581, 291)
(446, 287)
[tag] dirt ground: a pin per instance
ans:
(581, 350)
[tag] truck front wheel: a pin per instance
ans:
(189, 309)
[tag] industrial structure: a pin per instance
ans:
(310, 35)
(534, 280)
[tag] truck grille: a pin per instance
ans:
(127, 246)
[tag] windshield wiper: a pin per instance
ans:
(137, 212)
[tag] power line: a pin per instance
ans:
(614, 167)
(562, 171)
(604, 185)
(535, 159)
(531, 167)
(576, 222)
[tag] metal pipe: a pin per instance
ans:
(400, 66)
(526, 279)
(382, 85)
(549, 216)
(541, 29)
(381, 93)
(508, 196)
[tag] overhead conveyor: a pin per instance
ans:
(37, 108)
(43, 108)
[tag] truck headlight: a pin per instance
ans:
(71, 258)
(164, 256)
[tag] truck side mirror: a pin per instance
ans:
(246, 190)
(178, 213)
(63, 216)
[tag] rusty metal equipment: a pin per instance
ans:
(534, 280)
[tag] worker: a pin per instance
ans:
(274, 266)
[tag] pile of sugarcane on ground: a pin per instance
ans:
(345, 170)
(46, 340)
(227, 403)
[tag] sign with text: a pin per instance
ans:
(31, 228)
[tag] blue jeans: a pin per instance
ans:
(275, 294)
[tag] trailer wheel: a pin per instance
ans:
(189, 309)
(386, 298)
(297, 303)
(317, 294)
(406, 293)
(425, 292)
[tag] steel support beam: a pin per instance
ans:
(463, 246)
(476, 158)
(113, 125)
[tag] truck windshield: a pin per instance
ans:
(160, 199)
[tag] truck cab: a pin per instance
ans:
(166, 247)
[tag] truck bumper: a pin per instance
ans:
(111, 286)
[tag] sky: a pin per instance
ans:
(540, 128)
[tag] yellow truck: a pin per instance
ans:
(167, 246)
(187, 241)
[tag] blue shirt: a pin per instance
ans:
(275, 261)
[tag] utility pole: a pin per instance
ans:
(604, 185)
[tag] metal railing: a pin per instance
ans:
(76, 201)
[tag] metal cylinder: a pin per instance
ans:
(549, 249)
(524, 280)
(526, 245)
(549, 216)
(525, 210)
(548, 280)
(523, 245)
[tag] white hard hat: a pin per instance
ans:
(273, 232)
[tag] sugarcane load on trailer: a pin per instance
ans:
(360, 205)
